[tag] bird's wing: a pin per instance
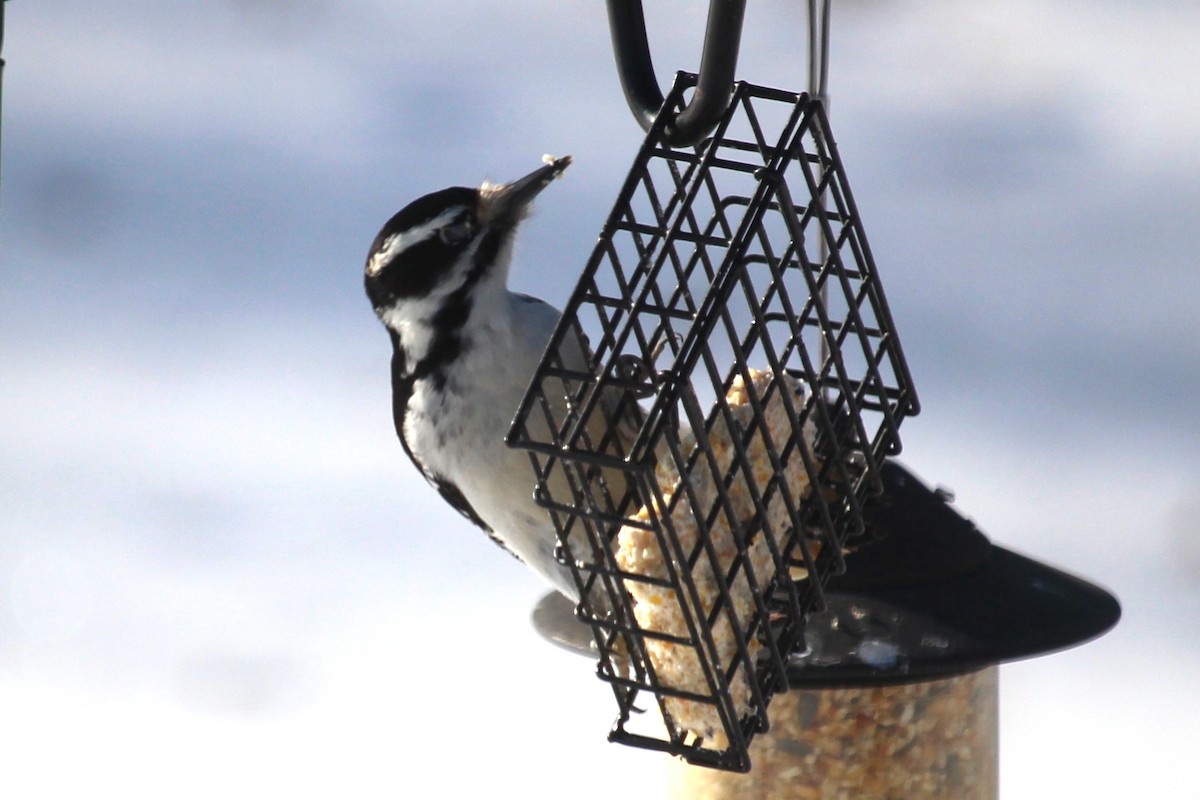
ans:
(612, 424)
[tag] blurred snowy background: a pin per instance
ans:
(219, 575)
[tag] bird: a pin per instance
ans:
(464, 350)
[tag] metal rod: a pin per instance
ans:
(818, 89)
(2, 6)
(818, 49)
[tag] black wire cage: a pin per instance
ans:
(710, 416)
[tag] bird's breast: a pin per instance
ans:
(457, 419)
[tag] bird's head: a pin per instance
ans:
(449, 241)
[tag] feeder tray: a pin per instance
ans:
(707, 472)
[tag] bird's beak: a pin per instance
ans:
(510, 200)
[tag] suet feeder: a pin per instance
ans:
(721, 478)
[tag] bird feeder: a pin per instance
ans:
(721, 476)
(705, 309)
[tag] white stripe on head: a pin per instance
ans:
(398, 242)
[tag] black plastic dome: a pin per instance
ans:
(929, 598)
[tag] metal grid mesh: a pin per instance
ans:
(732, 294)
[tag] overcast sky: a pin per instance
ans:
(219, 575)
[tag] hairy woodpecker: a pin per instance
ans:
(464, 349)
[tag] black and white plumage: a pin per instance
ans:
(464, 351)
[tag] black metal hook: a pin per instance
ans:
(718, 62)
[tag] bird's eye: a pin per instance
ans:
(457, 232)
